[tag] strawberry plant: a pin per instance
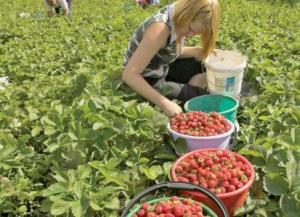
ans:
(71, 134)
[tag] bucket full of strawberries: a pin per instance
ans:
(201, 130)
(173, 206)
(225, 173)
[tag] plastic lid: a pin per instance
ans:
(225, 60)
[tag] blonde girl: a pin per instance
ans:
(158, 66)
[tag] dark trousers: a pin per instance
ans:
(181, 71)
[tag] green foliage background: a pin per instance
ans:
(73, 143)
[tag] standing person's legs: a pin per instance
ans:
(70, 7)
(57, 9)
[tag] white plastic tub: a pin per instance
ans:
(193, 143)
(225, 70)
(3, 82)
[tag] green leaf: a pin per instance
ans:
(264, 118)
(101, 125)
(293, 175)
(77, 209)
(113, 203)
(48, 121)
(46, 205)
(113, 162)
(152, 172)
(165, 156)
(120, 125)
(273, 166)
(107, 134)
(276, 184)
(103, 193)
(262, 212)
(143, 160)
(290, 207)
(33, 116)
(56, 188)
(60, 207)
(253, 153)
(72, 136)
(96, 164)
(113, 176)
(167, 166)
(78, 188)
(180, 146)
(130, 103)
(36, 131)
(155, 171)
(60, 176)
(250, 206)
(59, 108)
(95, 206)
(84, 171)
(49, 130)
(146, 130)
(293, 139)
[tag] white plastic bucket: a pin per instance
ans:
(225, 70)
(3, 82)
(201, 142)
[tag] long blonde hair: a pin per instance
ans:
(187, 11)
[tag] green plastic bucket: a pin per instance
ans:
(206, 210)
(134, 205)
(225, 105)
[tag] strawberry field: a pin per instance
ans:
(74, 141)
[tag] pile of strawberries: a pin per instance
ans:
(220, 171)
(175, 207)
(199, 123)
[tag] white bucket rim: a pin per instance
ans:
(210, 65)
(226, 134)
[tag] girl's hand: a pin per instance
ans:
(171, 108)
(215, 52)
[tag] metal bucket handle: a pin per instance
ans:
(176, 186)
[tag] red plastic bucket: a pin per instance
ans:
(232, 200)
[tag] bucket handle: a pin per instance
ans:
(176, 186)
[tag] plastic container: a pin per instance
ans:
(4, 81)
(225, 105)
(232, 200)
(225, 70)
(202, 142)
(133, 205)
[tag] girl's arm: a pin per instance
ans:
(66, 12)
(188, 52)
(154, 38)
